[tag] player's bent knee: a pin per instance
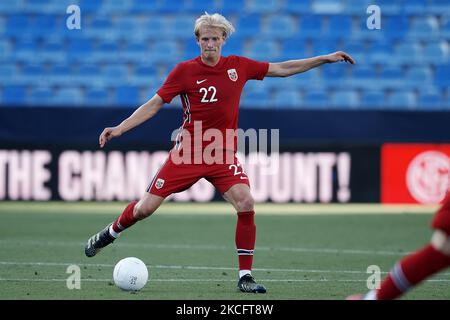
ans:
(441, 242)
(245, 204)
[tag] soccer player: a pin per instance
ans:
(210, 87)
(416, 267)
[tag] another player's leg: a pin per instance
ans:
(240, 197)
(414, 268)
(134, 212)
(418, 266)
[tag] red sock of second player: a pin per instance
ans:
(126, 219)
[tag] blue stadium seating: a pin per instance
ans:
(381, 52)
(134, 44)
(25, 51)
(442, 76)
(445, 30)
(292, 49)
(357, 6)
(335, 72)
(390, 76)
(287, 98)
(357, 50)
(401, 100)
(364, 77)
(7, 72)
(320, 48)
(52, 52)
(233, 46)
(91, 7)
(198, 7)
(446, 101)
(261, 49)
(316, 99)
(339, 26)
(327, 6)
(418, 76)
(98, 97)
(373, 99)
(413, 7)
(40, 96)
(59, 74)
(67, 97)
(13, 95)
(232, 7)
(435, 53)
(127, 96)
(249, 25)
(116, 6)
(438, 6)
(263, 6)
(410, 53)
(164, 50)
(182, 27)
(280, 27)
(297, 7)
(397, 25)
(423, 28)
(311, 26)
(345, 99)
(431, 100)
(310, 80)
(256, 99)
(135, 52)
(389, 7)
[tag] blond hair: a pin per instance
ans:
(215, 20)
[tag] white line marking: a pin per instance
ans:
(203, 280)
(52, 264)
(218, 208)
(210, 247)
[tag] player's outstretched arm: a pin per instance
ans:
(291, 67)
(142, 114)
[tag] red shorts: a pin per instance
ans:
(173, 178)
(442, 218)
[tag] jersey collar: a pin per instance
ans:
(218, 65)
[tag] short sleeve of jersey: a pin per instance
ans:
(172, 86)
(255, 69)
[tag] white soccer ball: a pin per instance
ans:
(130, 274)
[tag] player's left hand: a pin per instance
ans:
(339, 56)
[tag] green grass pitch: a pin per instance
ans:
(303, 252)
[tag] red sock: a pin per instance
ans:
(126, 219)
(245, 239)
(411, 270)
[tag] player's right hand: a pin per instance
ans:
(108, 134)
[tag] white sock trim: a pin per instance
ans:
(113, 233)
(371, 295)
(441, 242)
(243, 272)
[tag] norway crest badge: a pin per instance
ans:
(232, 74)
(159, 183)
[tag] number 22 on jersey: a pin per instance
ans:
(209, 95)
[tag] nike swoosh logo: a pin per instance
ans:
(200, 81)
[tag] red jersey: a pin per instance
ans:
(210, 95)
